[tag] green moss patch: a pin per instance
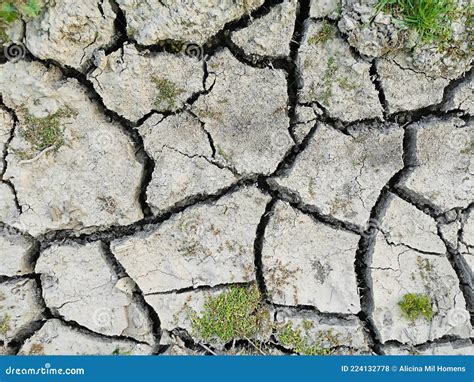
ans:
(414, 306)
(322, 36)
(5, 324)
(11, 11)
(167, 91)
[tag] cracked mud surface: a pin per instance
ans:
(287, 151)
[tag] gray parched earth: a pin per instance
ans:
(158, 154)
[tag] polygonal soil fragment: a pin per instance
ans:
(444, 174)
(271, 34)
(80, 285)
(180, 142)
(70, 166)
(133, 83)
(335, 78)
(19, 306)
(371, 36)
(176, 309)
(176, 346)
(251, 138)
(204, 245)
(6, 125)
(416, 296)
(303, 261)
(8, 210)
(151, 21)
(15, 251)
(322, 8)
(308, 333)
(343, 175)
(403, 224)
(461, 97)
(456, 348)
(69, 32)
(56, 338)
(405, 88)
(467, 240)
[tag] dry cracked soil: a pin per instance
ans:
(234, 177)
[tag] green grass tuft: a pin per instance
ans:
(16, 9)
(414, 306)
(235, 314)
(322, 36)
(42, 133)
(118, 351)
(431, 19)
(13, 10)
(299, 340)
(5, 324)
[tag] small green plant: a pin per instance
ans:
(346, 84)
(431, 19)
(118, 351)
(469, 148)
(45, 132)
(303, 344)
(235, 314)
(5, 324)
(414, 306)
(328, 79)
(322, 36)
(36, 349)
(13, 10)
(167, 92)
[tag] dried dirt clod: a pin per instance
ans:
(70, 166)
(15, 251)
(205, 245)
(444, 174)
(334, 77)
(271, 34)
(20, 306)
(416, 296)
(303, 260)
(133, 83)
(253, 138)
(184, 163)
(57, 338)
(92, 299)
(152, 21)
(69, 32)
(343, 175)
